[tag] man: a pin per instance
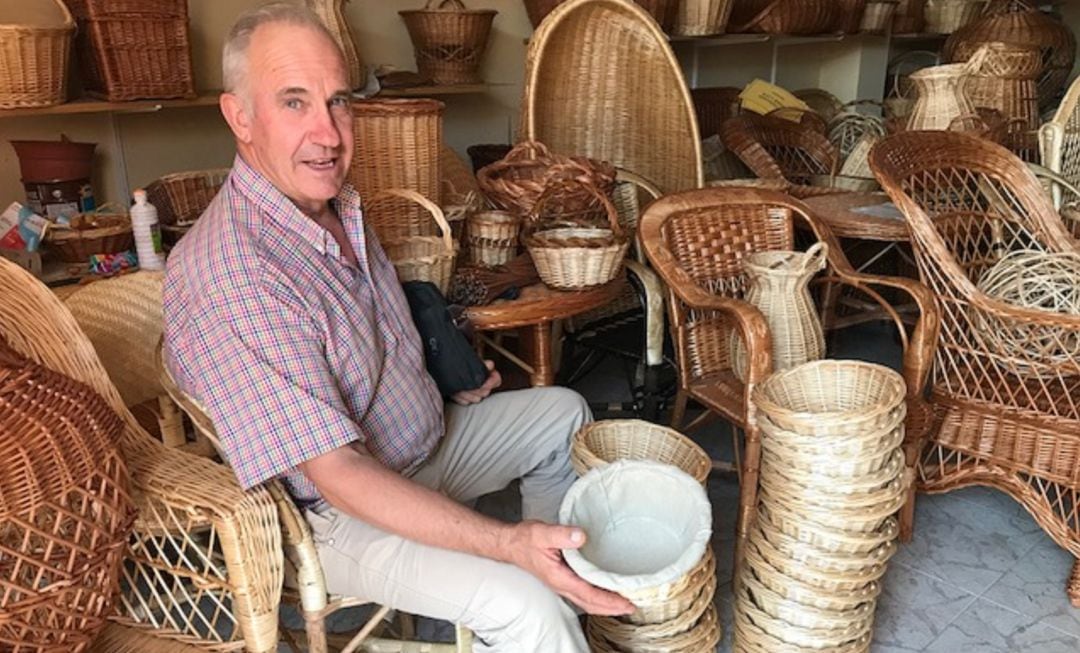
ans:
(284, 316)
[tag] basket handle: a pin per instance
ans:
(439, 5)
(431, 207)
(976, 61)
(556, 184)
(816, 257)
(527, 151)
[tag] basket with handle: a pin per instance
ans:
(418, 258)
(449, 40)
(901, 94)
(34, 52)
(572, 256)
(87, 234)
(516, 182)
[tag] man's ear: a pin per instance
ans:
(237, 114)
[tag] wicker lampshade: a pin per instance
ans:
(65, 512)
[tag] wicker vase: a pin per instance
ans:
(779, 287)
(332, 14)
(942, 97)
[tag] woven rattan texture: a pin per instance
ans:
(1005, 417)
(34, 61)
(601, 81)
(65, 510)
(774, 148)
(449, 40)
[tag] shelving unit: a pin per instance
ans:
(90, 105)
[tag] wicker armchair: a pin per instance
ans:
(1004, 382)
(1059, 145)
(204, 564)
(776, 148)
(696, 241)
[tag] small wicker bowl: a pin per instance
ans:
(680, 597)
(810, 638)
(91, 233)
(703, 636)
(492, 237)
(805, 593)
(606, 441)
(831, 540)
(751, 637)
(803, 616)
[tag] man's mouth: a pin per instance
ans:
(321, 164)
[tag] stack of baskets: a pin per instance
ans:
(134, 49)
(449, 40)
(832, 477)
(679, 617)
(34, 49)
(1006, 81)
(181, 197)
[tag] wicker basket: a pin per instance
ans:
(89, 234)
(449, 42)
(702, 17)
(663, 11)
(606, 441)
(703, 636)
(783, 16)
(849, 15)
(181, 197)
(397, 145)
(713, 106)
(517, 181)
(575, 257)
(34, 58)
(138, 55)
(878, 16)
(908, 17)
(492, 237)
(65, 511)
(947, 16)
(418, 258)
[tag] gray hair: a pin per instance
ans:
(234, 59)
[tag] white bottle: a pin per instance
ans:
(144, 222)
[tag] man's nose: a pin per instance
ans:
(324, 130)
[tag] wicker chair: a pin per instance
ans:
(305, 584)
(775, 148)
(204, 565)
(696, 241)
(1006, 415)
(1059, 145)
(601, 81)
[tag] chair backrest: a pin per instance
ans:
(601, 81)
(1059, 140)
(700, 237)
(778, 148)
(122, 318)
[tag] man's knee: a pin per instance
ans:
(524, 610)
(566, 403)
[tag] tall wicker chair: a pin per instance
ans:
(1059, 145)
(776, 148)
(601, 81)
(1004, 382)
(305, 583)
(204, 565)
(696, 241)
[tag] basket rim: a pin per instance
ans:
(766, 404)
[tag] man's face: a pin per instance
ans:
(298, 127)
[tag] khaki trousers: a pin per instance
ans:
(523, 435)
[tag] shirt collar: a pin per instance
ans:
(277, 207)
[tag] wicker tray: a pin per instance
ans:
(89, 234)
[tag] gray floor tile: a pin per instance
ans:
(914, 609)
(1035, 586)
(986, 627)
(964, 544)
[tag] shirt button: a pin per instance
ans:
(330, 541)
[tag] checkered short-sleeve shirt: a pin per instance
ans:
(293, 351)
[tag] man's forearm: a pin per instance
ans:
(360, 486)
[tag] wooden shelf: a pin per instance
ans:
(83, 106)
(430, 91)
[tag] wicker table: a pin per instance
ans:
(535, 312)
(867, 240)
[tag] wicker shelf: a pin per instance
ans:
(89, 105)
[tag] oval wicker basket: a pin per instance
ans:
(575, 257)
(449, 43)
(420, 258)
(852, 542)
(810, 638)
(783, 16)
(700, 581)
(797, 614)
(516, 182)
(599, 443)
(91, 233)
(704, 636)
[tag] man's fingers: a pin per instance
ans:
(601, 602)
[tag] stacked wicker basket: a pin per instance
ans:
(678, 617)
(832, 476)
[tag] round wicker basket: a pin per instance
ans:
(419, 258)
(599, 443)
(449, 41)
(91, 233)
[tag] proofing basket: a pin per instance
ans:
(449, 41)
(419, 258)
(34, 62)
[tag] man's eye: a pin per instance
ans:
(339, 102)
(293, 103)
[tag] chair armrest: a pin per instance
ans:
(653, 289)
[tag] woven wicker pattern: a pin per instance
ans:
(65, 512)
(663, 11)
(968, 201)
(449, 40)
(909, 18)
(780, 149)
(697, 241)
(181, 197)
(493, 237)
(332, 14)
(702, 17)
(1020, 22)
(1059, 145)
(1006, 81)
(609, 440)
(34, 60)
(831, 435)
(783, 16)
(941, 93)
(849, 16)
(849, 127)
(601, 81)
(415, 258)
(131, 55)
(947, 16)
(397, 144)
(713, 106)
(204, 562)
(91, 233)
(878, 16)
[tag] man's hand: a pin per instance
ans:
(494, 380)
(536, 547)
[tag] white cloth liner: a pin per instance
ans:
(647, 524)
